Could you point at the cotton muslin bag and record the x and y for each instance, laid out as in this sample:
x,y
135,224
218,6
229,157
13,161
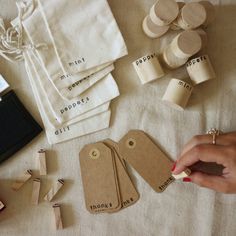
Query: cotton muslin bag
x,y
84,32
38,34
64,111
66,132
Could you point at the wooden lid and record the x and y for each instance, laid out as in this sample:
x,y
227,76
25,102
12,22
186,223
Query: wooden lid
x,y
193,14
210,10
188,43
152,30
166,10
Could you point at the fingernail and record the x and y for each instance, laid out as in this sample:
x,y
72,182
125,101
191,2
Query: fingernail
x,y
187,180
174,166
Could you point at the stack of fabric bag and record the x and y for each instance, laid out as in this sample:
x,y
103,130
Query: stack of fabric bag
x,y
69,48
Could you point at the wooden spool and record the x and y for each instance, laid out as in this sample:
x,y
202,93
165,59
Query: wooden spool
x,y
191,16
148,68
177,94
186,44
164,12
211,12
152,30
200,69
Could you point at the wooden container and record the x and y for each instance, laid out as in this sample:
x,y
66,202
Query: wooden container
x,y
148,68
191,16
200,69
177,94
152,30
164,12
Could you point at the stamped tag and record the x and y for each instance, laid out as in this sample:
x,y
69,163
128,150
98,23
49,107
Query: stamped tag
x,y
99,178
128,192
147,159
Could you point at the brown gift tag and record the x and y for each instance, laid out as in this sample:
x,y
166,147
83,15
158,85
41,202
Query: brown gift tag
x,y
99,178
128,192
147,159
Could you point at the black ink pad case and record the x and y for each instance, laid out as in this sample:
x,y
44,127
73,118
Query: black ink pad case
x,y
17,126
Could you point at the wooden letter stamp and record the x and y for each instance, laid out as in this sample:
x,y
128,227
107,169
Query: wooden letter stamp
x,y
36,191
22,180
42,162
54,190
58,218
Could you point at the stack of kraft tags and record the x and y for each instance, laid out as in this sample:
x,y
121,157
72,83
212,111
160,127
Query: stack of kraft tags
x,y
69,48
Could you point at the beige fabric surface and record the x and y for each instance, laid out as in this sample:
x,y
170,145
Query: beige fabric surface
x,y
183,209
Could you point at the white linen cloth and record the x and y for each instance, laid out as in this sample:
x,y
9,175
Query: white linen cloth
x,y
183,209
87,123
37,32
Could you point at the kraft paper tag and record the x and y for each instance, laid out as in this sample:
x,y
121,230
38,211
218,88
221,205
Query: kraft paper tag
x,y
128,192
147,159
99,178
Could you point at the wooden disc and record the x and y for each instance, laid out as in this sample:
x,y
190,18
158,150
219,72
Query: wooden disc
x,y
193,15
211,12
186,44
152,30
164,12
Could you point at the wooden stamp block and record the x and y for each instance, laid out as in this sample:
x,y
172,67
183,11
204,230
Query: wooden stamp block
x,y
200,69
2,206
178,94
152,30
22,180
148,68
42,162
186,44
211,12
54,190
58,218
36,191
191,16
182,175
164,12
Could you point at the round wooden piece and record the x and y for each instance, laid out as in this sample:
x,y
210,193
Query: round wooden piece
x,y
152,30
170,60
164,12
148,68
211,12
186,44
192,16
203,36
200,69
177,94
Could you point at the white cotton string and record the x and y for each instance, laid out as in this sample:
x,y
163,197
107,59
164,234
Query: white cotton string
x,y
11,40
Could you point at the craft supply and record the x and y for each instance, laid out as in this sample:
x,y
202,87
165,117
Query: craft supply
x,y
17,126
36,191
178,94
191,16
164,12
148,68
186,44
173,25
203,36
58,217
99,178
147,159
2,206
54,190
128,192
42,162
152,30
182,175
211,12
20,181
200,69
3,84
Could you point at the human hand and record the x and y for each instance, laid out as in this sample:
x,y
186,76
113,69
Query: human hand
x,y
200,148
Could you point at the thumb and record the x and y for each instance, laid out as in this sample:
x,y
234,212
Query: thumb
x,y
217,183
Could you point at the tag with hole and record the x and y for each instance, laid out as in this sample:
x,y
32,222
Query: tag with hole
x,y
128,192
99,178
147,159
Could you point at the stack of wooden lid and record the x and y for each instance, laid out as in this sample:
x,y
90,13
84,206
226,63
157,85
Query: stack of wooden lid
x,y
169,14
